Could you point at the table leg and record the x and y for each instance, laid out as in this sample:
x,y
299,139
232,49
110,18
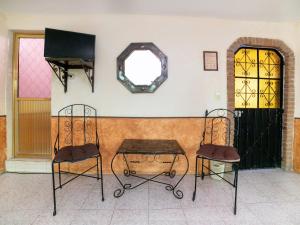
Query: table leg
x,y
171,173
125,186
119,192
128,171
177,192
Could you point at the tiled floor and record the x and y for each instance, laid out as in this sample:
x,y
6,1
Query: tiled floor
x,y
265,197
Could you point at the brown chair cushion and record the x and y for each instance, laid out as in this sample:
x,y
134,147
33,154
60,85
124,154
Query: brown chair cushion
x,y
76,153
219,152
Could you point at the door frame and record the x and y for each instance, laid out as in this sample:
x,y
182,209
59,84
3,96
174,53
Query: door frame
x,y
288,89
15,79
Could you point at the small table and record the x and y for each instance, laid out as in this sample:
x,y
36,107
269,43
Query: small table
x,y
150,147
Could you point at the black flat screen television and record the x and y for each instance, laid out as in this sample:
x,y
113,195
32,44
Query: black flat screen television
x,y
60,44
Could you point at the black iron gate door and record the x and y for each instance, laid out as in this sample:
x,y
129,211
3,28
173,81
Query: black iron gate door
x,y
259,139
258,96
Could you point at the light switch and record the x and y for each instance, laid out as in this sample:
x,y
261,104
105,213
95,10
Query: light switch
x,y
217,95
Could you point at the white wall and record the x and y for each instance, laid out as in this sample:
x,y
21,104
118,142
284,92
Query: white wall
x,y
188,91
3,64
297,72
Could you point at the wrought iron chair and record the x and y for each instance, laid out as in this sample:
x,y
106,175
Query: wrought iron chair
x,y
76,140
220,129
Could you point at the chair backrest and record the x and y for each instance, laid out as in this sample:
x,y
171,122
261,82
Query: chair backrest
x,y
77,125
220,127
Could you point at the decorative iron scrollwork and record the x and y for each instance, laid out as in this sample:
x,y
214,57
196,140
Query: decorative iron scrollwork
x,y
258,78
79,125
170,172
61,70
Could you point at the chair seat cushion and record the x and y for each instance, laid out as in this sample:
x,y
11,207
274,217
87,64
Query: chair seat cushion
x,y
76,153
219,152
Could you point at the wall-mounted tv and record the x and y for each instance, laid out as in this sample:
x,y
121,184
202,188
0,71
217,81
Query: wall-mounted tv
x,y
60,44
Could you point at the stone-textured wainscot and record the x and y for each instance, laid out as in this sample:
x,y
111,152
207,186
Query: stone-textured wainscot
x,y
2,142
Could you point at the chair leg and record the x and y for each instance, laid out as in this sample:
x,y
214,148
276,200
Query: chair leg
x,y
53,187
97,159
236,169
59,175
101,178
202,169
196,175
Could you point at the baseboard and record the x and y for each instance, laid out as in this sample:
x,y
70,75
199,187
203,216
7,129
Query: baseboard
x,y
23,165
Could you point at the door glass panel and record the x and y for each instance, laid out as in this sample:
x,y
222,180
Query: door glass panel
x,y
263,86
269,64
34,71
246,63
245,93
269,93
32,133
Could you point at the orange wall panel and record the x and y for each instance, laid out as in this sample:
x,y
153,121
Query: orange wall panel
x,y
297,145
112,131
187,131
2,142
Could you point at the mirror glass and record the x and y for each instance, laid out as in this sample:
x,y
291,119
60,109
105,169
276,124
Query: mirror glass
x,y
142,67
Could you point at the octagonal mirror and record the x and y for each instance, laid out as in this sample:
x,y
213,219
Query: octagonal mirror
x,y
142,67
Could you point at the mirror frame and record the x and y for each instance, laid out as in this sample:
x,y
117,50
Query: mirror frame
x,y
121,76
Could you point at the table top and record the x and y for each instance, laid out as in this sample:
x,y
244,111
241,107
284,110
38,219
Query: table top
x,y
149,146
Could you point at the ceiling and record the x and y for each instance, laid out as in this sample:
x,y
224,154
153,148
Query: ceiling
x,y
261,10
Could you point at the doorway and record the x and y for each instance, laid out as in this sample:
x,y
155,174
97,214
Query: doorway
x,y
31,97
258,74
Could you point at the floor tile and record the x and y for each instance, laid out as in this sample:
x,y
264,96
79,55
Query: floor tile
x,y
63,217
166,217
20,217
204,213
133,199
131,216
243,216
160,198
93,217
269,213
94,200
265,197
